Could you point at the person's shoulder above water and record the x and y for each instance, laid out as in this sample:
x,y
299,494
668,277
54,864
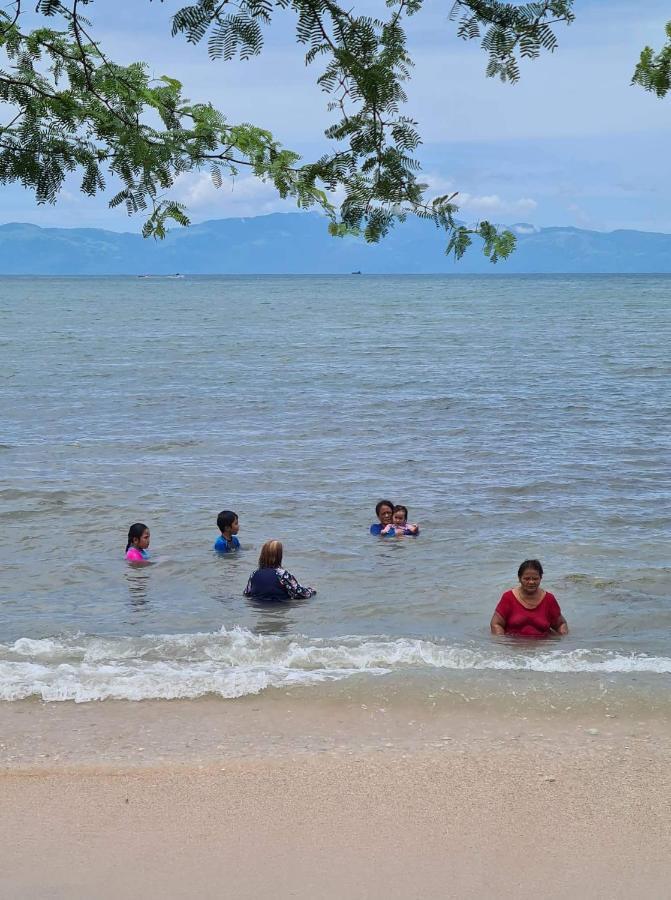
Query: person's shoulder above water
x,y
133,554
228,525
222,545
270,581
383,510
399,522
138,543
528,610
393,521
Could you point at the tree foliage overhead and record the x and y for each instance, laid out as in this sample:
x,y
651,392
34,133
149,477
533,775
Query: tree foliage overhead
x,y
653,71
69,108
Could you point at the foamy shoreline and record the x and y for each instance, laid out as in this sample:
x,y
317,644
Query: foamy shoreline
x,y
284,799
235,662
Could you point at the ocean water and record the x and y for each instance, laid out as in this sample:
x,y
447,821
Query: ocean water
x,y
515,416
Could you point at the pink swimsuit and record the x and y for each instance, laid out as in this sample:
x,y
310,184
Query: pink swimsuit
x,y
134,554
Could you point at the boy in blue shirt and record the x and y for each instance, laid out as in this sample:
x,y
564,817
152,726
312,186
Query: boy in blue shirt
x,y
227,523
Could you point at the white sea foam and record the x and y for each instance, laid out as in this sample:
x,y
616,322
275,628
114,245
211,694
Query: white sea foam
x,y
236,662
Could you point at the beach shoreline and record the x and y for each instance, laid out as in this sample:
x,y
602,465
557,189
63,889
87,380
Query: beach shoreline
x,y
278,796
370,716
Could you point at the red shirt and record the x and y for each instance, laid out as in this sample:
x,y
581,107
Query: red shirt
x,y
531,622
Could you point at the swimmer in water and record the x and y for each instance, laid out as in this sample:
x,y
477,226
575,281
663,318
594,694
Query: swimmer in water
x,y
272,582
138,542
399,523
384,511
528,610
227,523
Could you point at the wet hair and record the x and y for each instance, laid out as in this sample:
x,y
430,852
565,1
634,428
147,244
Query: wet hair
x,y
530,564
225,519
403,509
135,532
270,556
380,504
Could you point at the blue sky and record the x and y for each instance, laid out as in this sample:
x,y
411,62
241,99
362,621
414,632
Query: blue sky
x,y
572,144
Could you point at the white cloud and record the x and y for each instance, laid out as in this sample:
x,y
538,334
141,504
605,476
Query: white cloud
x,y
490,204
249,196
485,204
241,196
437,184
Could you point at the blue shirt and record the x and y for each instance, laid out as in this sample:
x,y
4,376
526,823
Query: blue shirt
x,y
376,528
221,545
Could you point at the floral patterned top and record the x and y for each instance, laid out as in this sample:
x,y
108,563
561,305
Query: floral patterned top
x,y
285,582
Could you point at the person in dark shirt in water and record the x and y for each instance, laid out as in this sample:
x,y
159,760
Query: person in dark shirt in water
x,y
270,581
384,510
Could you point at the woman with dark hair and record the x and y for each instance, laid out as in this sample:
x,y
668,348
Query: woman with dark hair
x,y
528,610
384,510
270,581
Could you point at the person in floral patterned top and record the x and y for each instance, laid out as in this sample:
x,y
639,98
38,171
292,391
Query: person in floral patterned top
x,y
270,581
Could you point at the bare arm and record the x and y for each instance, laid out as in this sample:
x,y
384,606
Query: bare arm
x,y
498,624
560,626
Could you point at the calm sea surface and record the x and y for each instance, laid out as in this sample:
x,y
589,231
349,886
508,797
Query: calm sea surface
x,y
515,417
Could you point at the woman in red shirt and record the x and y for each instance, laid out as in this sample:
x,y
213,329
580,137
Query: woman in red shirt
x,y
528,610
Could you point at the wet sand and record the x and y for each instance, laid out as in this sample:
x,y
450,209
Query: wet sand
x,y
276,798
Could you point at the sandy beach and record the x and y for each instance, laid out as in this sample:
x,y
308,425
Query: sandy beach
x,y
277,798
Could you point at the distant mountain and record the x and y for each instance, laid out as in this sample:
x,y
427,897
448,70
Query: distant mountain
x,y
298,243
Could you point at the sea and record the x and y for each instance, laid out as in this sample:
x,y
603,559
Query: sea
x,y
516,417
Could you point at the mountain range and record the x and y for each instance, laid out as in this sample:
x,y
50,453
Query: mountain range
x,y
299,243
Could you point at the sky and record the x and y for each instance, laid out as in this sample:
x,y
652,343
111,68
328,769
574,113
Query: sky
x,y
572,144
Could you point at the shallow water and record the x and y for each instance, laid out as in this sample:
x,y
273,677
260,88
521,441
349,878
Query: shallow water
x,y
515,416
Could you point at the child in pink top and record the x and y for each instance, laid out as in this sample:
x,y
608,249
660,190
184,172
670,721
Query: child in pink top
x,y
138,542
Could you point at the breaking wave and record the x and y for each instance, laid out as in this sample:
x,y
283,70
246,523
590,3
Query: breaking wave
x,y
236,662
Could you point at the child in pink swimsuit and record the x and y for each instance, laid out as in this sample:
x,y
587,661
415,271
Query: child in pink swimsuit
x,y
138,542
